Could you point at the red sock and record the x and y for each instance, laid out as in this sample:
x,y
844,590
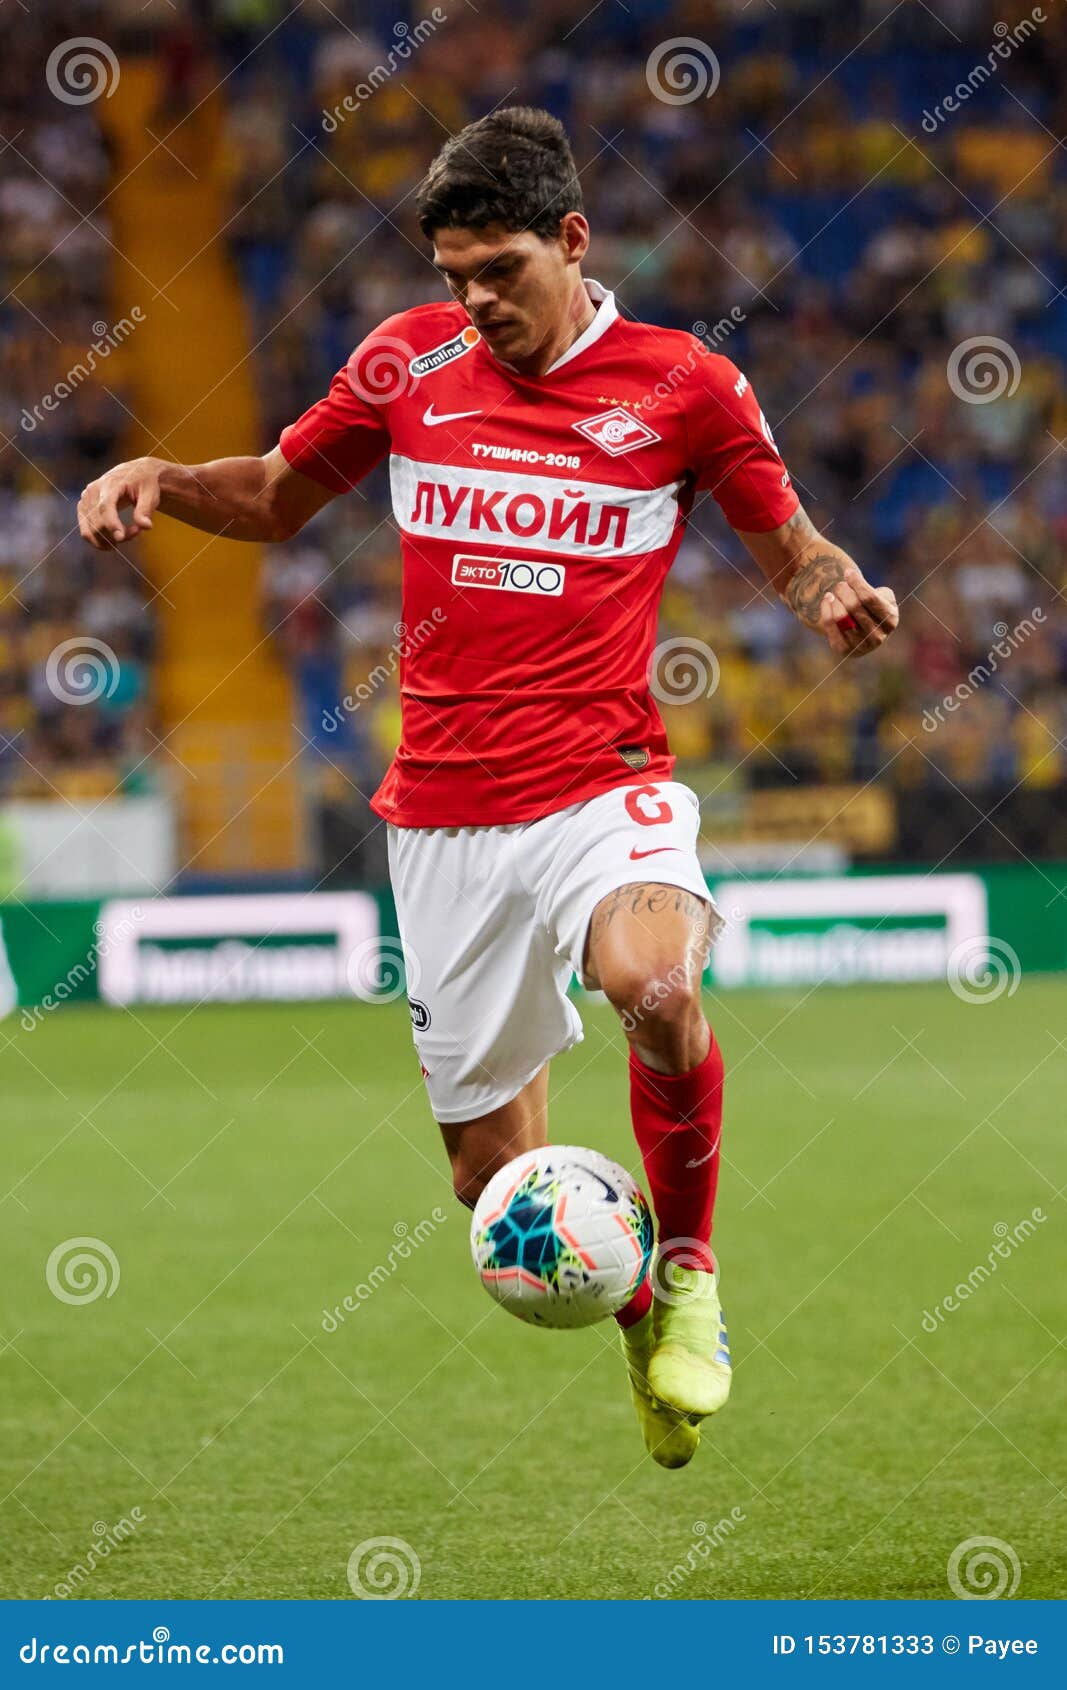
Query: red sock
x,y
678,1124
638,1306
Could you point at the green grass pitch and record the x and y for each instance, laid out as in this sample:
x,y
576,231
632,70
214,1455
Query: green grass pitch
x,y
251,1167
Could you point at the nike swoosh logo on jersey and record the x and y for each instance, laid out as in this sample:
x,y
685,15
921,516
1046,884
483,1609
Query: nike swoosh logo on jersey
x,y
432,418
636,855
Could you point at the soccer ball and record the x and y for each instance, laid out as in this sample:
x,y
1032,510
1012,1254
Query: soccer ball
x,y
561,1236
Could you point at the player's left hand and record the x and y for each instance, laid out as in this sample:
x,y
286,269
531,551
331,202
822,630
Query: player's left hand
x,y
855,617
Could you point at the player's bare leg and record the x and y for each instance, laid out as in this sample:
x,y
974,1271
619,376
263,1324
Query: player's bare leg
x,y
646,949
477,1149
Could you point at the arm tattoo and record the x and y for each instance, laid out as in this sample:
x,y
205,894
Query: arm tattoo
x,y
801,531
817,575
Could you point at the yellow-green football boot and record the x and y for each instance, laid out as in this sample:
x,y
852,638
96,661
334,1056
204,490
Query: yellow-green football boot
x,y
689,1370
669,1439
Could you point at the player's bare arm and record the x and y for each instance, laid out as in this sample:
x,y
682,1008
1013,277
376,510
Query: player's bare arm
x,y
823,587
242,498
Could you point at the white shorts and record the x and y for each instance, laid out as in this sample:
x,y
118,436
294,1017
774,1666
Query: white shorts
x,y
493,923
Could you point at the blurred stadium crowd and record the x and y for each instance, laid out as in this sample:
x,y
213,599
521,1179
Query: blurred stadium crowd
x,y
819,211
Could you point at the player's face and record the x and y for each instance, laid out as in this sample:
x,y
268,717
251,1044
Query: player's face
x,y
516,288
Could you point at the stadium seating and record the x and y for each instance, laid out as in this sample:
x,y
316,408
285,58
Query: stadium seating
x,y
807,196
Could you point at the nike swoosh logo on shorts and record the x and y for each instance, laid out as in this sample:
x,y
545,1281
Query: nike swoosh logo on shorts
x,y
698,1161
432,418
636,855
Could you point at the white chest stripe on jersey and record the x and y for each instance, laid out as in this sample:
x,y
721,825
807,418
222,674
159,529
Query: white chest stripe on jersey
x,y
540,512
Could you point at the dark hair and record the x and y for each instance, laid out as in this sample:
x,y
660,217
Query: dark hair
x,y
514,167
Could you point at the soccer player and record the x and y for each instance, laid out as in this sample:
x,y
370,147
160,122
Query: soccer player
x,y
544,454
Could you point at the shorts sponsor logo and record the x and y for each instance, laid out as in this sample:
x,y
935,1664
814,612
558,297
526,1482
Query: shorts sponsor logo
x,y
513,575
446,353
420,1016
616,431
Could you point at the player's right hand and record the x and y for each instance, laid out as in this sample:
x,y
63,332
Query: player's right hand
x,y
136,484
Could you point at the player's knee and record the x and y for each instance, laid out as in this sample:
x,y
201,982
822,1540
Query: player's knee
x,y
468,1182
654,996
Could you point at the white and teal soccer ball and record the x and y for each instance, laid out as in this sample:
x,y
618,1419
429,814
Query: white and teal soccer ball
x,y
561,1236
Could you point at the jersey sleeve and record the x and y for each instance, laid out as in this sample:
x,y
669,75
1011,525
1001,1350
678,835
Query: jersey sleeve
x,y
341,438
734,454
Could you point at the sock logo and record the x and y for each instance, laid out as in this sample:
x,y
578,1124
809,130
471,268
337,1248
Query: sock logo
x,y
698,1161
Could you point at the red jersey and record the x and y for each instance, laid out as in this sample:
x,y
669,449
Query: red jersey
x,y
538,516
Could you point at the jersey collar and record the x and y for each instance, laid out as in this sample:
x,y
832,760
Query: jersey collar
x,y
606,313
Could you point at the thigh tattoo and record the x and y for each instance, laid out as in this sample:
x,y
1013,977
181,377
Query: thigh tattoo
x,y
649,898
